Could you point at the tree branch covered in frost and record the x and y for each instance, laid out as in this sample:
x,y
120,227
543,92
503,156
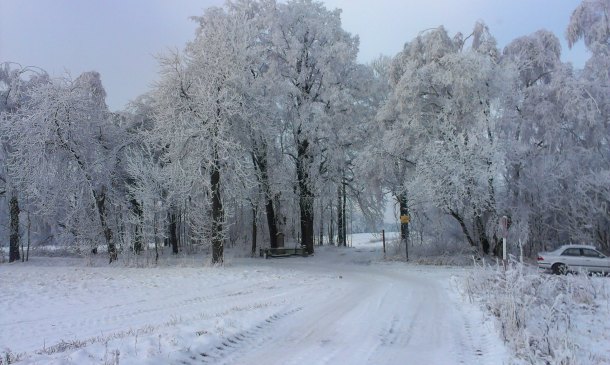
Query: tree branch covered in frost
x,y
472,134
63,155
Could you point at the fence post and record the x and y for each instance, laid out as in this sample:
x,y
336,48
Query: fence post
x,y
383,239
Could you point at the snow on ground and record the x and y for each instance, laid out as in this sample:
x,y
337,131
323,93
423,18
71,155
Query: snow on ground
x,y
341,306
546,319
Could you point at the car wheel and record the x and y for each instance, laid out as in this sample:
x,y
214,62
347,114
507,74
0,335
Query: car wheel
x,y
560,269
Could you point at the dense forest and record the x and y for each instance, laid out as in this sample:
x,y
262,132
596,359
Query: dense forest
x,y
264,129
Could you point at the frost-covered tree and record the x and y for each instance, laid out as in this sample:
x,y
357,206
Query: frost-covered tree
x,y
530,120
137,181
554,136
309,57
147,192
440,121
262,100
374,168
590,22
589,108
261,120
392,148
63,154
351,130
197,103
15,83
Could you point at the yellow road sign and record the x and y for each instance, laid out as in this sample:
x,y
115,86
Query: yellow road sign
x,y
404,219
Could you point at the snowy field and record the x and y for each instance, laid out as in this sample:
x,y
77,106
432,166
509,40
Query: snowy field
x,y
341,306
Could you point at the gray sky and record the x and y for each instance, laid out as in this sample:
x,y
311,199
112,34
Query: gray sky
x,y
119,38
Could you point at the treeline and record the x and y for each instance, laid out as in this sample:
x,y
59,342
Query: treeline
x,y
266,127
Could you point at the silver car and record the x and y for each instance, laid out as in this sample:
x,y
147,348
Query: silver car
x,y
574,258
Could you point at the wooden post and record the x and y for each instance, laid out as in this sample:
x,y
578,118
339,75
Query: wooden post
x,y
383,239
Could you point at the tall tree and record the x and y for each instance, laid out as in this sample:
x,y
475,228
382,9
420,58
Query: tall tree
x,y
554,136
261,117
590,22
440,124
63,148
197,103
530,130
310,51
15,82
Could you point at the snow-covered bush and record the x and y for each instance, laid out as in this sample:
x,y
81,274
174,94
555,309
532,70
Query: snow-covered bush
x,y
430,251
545,319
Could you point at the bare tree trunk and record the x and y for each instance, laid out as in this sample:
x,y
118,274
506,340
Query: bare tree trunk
x,y
331,226
271,222
155,238
217,213
340,217
22,249
280,221
100,202
460,220
404,225
306,197
321,233
27,253
179,236
137,209
481,235
344,214
254,229
14,228
307,222
183,218
602,234
172,227
259,160
404,211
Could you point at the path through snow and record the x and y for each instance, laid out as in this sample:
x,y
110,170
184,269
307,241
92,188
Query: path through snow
x,y
342,306
378,314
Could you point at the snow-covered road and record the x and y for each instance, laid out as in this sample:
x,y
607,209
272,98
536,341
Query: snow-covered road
x,y
374,314
341,306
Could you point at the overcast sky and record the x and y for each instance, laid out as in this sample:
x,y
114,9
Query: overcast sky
x,y
119,38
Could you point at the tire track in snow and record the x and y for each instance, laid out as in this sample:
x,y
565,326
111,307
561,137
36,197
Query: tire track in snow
x,y
476,350
225,350
380,316
120,318
357,314
114,317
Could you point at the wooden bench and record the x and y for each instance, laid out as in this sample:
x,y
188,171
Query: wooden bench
x,y
283,252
